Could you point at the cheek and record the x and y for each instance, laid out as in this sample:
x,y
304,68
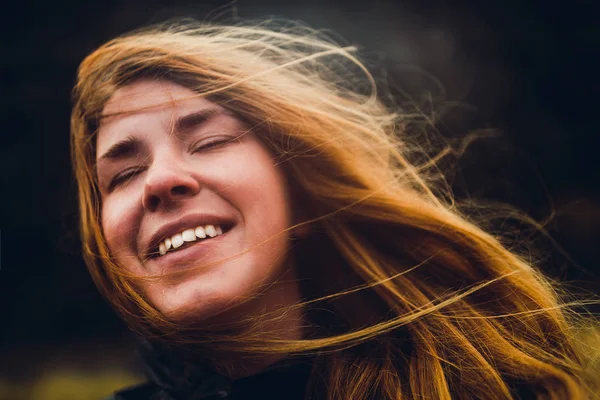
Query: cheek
x,y
118,226
261,192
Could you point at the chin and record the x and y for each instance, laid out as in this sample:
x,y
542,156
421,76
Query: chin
x,y
202,300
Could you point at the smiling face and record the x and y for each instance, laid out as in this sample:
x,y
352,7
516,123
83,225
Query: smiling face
x,y
170,162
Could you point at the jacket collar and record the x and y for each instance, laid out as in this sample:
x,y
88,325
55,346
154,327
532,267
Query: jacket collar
x,y
172,370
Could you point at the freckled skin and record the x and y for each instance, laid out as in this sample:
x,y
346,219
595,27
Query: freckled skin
x,y
238,180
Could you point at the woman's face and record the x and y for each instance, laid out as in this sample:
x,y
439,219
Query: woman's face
x,y
174,171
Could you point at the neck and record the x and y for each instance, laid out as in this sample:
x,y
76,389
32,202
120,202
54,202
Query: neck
x,y
267,317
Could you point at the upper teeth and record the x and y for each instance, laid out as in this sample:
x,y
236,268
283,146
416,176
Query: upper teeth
x,y
189,235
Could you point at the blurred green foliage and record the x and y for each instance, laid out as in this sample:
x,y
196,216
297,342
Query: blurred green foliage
x,y
66,384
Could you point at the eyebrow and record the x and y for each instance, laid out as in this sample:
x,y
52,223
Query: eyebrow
x,y
131,145
123,149
194,120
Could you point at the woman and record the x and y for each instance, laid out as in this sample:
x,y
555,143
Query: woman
x,y
249,207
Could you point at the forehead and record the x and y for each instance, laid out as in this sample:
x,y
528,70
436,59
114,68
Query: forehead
x,y
147,95
137,104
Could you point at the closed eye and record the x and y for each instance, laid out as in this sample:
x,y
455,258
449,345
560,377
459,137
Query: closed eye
x,y
198,146
124,177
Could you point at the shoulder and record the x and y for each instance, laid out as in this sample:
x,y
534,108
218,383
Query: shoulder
x,y
142,391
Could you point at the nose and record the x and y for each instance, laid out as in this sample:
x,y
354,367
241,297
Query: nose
x,y
167,182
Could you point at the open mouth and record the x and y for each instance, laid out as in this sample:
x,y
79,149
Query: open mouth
x,y
189,237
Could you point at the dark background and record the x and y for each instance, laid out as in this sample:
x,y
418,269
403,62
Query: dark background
x,y
527,68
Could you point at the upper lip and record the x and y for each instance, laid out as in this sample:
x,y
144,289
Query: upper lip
x,y
187,222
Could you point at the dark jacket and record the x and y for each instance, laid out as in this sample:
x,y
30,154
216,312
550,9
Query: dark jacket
x,y
172,378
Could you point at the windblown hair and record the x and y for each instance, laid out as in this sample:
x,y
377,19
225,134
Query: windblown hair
x,y
411,298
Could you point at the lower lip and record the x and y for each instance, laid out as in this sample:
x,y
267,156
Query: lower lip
x,y
198,252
